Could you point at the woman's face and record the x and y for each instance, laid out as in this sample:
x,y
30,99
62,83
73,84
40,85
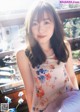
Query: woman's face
x,y
43,30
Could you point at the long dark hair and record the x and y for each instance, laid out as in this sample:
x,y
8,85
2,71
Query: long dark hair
x,y
34,52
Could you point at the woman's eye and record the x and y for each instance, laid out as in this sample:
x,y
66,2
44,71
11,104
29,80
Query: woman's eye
x,y
34,23
47,22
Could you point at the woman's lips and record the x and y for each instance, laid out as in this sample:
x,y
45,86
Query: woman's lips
x,y
41,36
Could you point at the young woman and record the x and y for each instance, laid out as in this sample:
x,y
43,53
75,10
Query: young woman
x,y
46,65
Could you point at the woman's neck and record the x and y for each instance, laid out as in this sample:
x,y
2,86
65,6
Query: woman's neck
x,y
45,46
47,49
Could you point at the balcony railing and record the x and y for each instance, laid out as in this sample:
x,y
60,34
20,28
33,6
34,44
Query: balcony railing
x,y
69,13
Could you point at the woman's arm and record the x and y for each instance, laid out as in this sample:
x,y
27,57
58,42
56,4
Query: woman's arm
x,y
69,67
24,67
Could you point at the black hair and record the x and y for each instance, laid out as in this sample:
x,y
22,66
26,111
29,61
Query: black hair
x,y
34,52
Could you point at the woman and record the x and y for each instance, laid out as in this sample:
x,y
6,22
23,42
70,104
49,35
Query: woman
x,y
46,65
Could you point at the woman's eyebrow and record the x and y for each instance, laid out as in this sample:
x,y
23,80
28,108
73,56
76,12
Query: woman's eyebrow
x,y
46,19
34,19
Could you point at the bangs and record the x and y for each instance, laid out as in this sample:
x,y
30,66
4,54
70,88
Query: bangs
x,y
39,13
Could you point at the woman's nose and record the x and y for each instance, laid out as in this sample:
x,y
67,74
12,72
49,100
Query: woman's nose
x,y
40,28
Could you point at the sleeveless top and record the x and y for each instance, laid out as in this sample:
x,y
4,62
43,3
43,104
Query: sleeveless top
x,y
51,84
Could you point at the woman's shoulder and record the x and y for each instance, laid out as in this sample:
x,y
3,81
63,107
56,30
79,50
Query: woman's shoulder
x,y
21,53
67,43
21,56
68,47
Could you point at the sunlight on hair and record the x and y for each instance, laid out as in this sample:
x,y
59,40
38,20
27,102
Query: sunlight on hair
x,y
59,111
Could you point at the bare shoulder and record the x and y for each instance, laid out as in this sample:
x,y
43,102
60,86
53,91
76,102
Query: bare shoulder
x,y
22,62
67,44
24,66
21,56
21,52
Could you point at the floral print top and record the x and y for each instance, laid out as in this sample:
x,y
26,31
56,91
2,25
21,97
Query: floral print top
x,y
51,81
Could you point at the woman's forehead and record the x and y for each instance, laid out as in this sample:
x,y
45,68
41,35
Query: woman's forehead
x,y
43,15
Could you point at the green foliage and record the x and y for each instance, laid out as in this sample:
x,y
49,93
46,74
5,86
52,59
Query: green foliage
x,y
76,54
72,27
74,5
